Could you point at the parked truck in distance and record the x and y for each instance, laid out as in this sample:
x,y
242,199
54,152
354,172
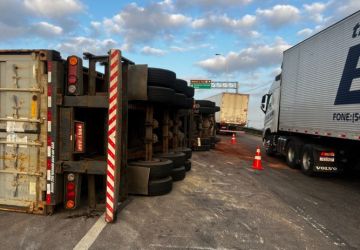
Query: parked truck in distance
x,y
233,111
312,108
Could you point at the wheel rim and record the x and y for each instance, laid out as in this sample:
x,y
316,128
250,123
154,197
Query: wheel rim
x,y
306,160
291,154
267,143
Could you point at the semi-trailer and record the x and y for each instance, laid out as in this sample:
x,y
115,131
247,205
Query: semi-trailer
x,y
233,112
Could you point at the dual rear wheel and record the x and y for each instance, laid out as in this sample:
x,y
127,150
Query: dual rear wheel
x,y
298,155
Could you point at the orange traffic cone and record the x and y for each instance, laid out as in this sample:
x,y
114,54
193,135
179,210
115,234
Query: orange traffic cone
x,y
233,139
257,160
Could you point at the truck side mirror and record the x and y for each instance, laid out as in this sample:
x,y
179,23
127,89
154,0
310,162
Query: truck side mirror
x,y
264,103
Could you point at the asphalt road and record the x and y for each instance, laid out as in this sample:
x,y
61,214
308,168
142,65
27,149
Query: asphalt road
x,y
222,204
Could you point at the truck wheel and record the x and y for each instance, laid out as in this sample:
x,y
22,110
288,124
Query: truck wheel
x,y
205,141
307,160
161,77
189,92
187,165
179,100
178,158
159,168
178,174
160,94
205,103
292,155
206,110
189,103
186,151
269,148
180,86
160,187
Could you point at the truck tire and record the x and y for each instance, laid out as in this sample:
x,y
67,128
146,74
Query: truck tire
x,y
189,92
179,100
307,160
187,165
292,155
206,110
189,103
160,94
178,158
205,141
160,186
178,173
269,148
161,77
159,168
201,148
205,103
180,86
186,151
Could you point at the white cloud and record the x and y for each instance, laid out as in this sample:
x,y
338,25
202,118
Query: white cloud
x,y
25,18
81,44
279,15
189,48
248,59
45,29
305,32
9,32
348,7
224,22
53,8
315,11
153,51
12,12
211,4
145,24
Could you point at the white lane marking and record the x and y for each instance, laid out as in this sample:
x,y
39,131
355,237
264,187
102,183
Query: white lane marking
x,y
319,227
185,247
90,237
199,163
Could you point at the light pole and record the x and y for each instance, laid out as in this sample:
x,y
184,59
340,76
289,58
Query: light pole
x,y
227,71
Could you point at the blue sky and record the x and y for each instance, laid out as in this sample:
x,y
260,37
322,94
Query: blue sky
x,y
179,35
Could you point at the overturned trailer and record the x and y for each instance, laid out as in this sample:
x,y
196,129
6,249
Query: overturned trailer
x,y
64,137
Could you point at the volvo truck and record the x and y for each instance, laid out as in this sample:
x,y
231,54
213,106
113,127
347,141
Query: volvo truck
x,y
312,110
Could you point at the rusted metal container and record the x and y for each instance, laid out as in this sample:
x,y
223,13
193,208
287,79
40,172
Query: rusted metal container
x,y
24,131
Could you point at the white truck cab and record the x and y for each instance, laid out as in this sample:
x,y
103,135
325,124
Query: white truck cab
x,y
270,105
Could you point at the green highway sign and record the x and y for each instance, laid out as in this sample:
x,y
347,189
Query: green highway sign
x,y
201,84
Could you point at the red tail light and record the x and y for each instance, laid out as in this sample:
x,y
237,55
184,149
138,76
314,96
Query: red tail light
x,y
70,186
74,76
79,137
70,191
327,154
70,195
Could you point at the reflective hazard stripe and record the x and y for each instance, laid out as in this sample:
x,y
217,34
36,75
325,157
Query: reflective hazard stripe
x,y
114,82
